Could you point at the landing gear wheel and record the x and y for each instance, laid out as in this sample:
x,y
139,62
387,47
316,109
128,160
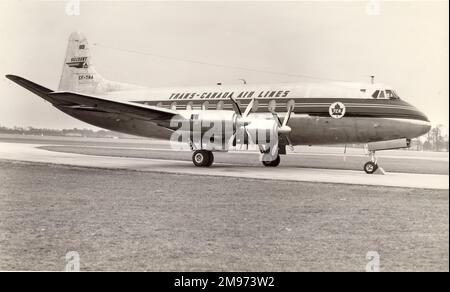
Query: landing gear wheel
x,y
273,163
202,158
210,158
370,167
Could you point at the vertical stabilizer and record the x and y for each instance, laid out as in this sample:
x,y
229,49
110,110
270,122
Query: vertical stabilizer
x,y
78,74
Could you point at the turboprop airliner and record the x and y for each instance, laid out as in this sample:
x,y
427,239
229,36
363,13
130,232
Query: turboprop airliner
x,y
216,118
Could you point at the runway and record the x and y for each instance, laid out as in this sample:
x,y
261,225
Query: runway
x,y
34,153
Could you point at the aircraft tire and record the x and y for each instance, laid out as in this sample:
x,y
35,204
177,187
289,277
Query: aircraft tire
x,y
370,167
211,158
273,163
202,158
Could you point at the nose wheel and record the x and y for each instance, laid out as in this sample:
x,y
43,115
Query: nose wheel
x,y
202,158
371,166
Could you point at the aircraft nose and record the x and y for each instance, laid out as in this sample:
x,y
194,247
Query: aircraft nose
x,y
426,127
422,126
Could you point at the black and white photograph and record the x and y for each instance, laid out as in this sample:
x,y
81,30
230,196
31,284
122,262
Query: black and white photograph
x,y
242,138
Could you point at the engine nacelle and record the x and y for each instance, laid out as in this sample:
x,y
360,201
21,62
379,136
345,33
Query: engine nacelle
x,y
204,129
201,121
388,145
214,118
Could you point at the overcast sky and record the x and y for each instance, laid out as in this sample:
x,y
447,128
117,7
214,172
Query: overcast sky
x,y
405,46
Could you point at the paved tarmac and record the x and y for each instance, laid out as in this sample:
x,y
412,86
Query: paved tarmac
x,y
32,153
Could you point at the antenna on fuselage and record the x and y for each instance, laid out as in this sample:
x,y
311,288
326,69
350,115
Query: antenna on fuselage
x,y
372,79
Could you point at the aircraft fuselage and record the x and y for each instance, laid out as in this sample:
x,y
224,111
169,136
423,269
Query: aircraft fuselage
x,y
365,120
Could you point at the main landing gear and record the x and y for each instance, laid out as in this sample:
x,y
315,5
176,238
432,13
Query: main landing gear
x,y
273,163
371,166
203,158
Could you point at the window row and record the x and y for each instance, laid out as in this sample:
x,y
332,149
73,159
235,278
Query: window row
x,y
221,105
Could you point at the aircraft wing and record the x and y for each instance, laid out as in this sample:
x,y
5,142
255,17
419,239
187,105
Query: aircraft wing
x,y
31,86
67,99
131,109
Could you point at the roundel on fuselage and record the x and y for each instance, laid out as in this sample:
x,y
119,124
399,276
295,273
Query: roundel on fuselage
x,y
337,110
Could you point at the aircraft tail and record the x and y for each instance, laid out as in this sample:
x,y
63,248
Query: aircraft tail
x,y
79,75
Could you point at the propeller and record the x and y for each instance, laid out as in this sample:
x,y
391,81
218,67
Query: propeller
x,y
237,108
283,129
242,120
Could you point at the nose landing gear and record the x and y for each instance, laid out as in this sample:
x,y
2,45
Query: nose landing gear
x,y
371,166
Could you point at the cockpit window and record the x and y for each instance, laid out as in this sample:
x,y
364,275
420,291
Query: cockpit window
x,y
388,93
375,94
391,94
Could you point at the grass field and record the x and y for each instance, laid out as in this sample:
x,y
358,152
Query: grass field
x,y
128,220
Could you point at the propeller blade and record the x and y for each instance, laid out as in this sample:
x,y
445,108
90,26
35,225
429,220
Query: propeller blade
x,y
249,108
277,118
274,149
287,116
288,139
233,139
236,107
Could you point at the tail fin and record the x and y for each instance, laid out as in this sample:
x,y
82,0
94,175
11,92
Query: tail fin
x,y
78,74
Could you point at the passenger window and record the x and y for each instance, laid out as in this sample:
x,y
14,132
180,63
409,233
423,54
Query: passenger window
x,y
255,106
289,104
272,106
375,94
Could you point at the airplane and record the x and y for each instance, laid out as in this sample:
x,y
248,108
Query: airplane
x,y
218,117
